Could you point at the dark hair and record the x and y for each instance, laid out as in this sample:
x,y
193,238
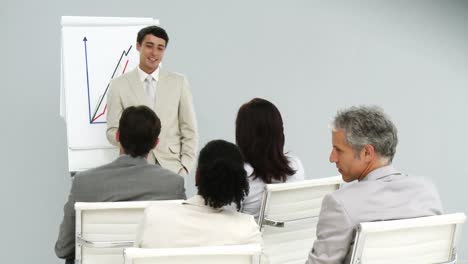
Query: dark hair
x,y
260,137
139,127
221,178
153,30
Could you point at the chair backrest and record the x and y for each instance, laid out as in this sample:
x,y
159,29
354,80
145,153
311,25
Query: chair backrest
x,y
288,217
236,254
431,239
104,229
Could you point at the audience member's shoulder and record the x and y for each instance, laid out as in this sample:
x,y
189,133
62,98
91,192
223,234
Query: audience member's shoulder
x,y
157,205
156,208
409,181
91,173
346,189
294,161
423,182
231,212
163,172
296,165
249,172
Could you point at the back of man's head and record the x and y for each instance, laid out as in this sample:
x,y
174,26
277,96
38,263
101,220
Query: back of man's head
x,y
139,128
368,125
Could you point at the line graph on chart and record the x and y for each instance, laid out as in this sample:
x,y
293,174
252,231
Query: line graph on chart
x,y
91,57
97,106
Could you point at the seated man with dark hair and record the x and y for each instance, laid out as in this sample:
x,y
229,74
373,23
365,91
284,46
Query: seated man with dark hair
x,y
128,178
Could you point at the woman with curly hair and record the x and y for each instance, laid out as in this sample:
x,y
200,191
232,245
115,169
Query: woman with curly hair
x,y
260,138
202,219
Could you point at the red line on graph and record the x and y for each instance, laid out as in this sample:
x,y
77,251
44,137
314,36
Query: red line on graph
x,y
126,63
103,112
105,107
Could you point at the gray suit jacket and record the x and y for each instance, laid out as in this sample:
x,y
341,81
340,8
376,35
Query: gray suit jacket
x,y
125,179
173,105
384,194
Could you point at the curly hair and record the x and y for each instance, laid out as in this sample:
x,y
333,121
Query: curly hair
x,y
221,176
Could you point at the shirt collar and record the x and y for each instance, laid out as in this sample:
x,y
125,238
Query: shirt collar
x,y
382,172
143,74
199,201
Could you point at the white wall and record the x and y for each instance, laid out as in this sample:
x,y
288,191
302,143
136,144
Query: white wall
x,y
308,57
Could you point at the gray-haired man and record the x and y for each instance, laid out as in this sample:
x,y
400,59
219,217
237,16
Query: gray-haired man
x,y
364,143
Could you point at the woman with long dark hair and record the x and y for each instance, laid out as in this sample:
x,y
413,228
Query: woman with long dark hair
x,y
260,138
203,220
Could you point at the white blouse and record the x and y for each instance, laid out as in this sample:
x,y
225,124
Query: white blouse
x,y
192,223
251,203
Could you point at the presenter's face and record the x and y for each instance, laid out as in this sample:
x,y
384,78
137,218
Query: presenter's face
x,y
151,51
349,164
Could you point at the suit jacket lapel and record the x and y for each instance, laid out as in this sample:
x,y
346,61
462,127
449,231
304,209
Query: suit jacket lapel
x,y
137,88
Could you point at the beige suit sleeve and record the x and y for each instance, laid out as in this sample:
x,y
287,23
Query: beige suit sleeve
x,y
114,110
334,234
188,128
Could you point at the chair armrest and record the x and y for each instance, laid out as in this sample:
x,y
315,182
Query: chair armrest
x,y
283,223
274,223
109,244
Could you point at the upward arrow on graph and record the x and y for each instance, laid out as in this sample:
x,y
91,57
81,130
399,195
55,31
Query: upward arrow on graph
x,y
87,77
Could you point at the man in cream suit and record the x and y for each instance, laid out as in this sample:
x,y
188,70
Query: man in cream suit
x,y
364,143
167,93
128,178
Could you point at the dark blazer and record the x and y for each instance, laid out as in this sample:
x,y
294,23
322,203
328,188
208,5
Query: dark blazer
x,y
125,179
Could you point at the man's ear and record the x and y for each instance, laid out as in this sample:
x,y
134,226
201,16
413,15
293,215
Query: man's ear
x,y
138,46
369,152
117,136
156,142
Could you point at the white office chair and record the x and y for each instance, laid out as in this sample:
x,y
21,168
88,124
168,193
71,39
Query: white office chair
x,y
288,217
423,240
238,254
104,229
